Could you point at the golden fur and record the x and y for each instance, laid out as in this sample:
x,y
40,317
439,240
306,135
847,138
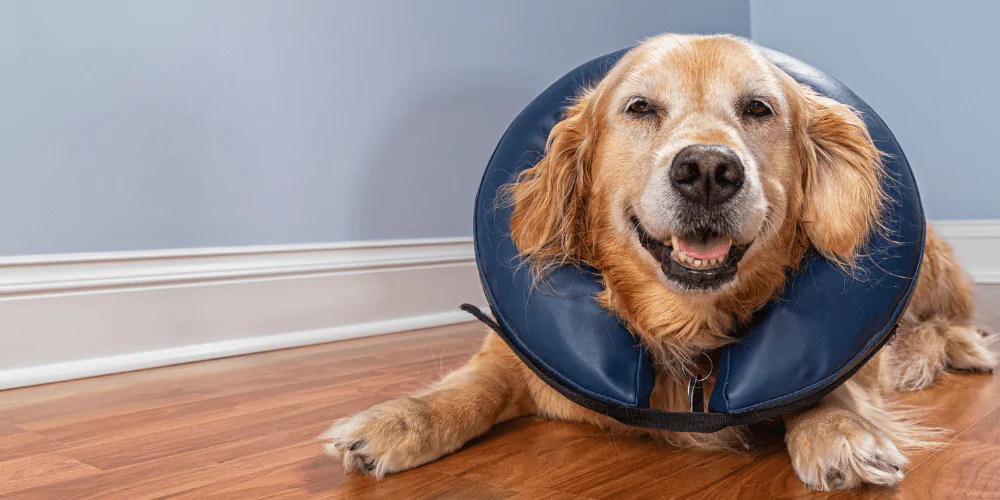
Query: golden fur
x,y
820,176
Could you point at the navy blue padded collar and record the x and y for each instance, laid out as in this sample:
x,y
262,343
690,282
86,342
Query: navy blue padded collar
x,y
797,349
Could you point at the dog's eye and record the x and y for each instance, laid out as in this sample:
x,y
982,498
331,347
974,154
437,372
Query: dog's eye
x,y
756,109
639,107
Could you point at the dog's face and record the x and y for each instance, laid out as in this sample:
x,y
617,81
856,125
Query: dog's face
x,y
692,159
699,145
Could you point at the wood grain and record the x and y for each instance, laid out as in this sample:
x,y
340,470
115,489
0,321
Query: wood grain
x,y
245,428
23,473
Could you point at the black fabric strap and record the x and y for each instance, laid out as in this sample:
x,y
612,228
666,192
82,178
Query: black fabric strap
x,y
483,318
694,421
696,394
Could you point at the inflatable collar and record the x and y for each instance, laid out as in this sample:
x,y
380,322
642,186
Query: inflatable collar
x,y
796,349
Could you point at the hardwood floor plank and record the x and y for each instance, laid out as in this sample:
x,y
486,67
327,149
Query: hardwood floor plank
x,y
35,470
304,479
165,440
969,467
621,478
956,401
545,494
178,473
420,484
529,454
83,405
344,387
17,443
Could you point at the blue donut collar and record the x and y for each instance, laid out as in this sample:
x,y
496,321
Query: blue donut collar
x,y
824,326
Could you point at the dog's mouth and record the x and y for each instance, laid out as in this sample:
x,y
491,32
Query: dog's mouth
x,y
704,260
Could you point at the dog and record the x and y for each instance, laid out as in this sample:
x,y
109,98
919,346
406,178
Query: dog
x,y
698,143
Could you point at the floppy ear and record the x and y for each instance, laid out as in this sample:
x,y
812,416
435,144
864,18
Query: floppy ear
x,y
549,199
842,178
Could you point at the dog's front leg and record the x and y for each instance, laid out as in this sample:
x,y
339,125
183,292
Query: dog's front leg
x,y
848,439
404,433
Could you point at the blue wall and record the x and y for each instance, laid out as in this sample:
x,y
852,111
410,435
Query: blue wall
x,y
186,123
930,69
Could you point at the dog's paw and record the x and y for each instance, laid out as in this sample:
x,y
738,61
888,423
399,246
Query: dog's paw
x,y
933,348
389,437
840,449
967,349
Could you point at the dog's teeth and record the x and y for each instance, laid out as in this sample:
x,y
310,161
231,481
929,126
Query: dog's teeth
x,y
694,263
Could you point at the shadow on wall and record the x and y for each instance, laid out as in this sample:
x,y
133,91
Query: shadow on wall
x,y
446,141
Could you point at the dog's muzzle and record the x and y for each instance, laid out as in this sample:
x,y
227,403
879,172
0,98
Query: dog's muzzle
x,y
705,183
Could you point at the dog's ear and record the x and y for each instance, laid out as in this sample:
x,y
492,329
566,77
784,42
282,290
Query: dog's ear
x,y
842,179
549,199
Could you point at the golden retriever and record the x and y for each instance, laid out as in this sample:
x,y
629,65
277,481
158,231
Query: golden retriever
x,y
694,176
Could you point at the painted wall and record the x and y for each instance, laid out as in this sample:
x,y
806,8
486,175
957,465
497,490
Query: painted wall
x,y
187,123
930,70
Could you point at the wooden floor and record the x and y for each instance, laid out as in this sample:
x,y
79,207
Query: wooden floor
x,y
245,428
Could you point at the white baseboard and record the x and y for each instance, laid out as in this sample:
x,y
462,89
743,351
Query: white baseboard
x,y
977,245
44,374
72,316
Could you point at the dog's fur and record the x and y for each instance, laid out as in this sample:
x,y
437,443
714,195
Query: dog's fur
x,y
813,178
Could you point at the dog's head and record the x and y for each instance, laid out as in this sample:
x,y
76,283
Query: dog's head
x,y
692,160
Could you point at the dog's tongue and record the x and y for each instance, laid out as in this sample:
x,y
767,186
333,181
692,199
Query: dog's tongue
x,y
703,250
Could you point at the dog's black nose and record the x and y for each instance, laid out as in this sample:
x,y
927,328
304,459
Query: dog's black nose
x,y
708,174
